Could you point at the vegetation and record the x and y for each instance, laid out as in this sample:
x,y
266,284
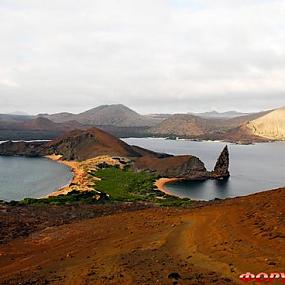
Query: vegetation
x,y
72,197
115,185
124,185
127,185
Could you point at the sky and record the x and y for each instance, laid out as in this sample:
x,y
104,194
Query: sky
x,y
155,56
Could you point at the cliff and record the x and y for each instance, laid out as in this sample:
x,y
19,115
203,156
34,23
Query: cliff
x,y
184,166
30,149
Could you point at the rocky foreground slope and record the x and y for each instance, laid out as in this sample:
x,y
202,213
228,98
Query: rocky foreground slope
x,y
122,244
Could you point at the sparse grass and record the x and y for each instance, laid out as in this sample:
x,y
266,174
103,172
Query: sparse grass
x,y
72,197
124,185
127,185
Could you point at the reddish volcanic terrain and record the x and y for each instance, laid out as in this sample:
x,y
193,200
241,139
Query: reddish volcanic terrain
x,y
210,244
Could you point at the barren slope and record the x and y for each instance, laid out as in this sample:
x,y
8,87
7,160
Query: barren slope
x,y
207,245
271,126
186,125
108,115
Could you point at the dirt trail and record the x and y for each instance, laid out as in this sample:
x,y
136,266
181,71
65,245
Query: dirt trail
x,y
208,245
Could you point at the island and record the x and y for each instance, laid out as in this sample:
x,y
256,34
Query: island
x,y
87,150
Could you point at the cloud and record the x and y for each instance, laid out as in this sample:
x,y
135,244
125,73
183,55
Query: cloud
x,y
154,56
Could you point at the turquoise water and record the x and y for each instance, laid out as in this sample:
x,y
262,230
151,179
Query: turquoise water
x,y
22,177
254,168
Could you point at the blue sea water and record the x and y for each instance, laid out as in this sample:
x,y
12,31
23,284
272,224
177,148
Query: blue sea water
x,y
22,177
254,168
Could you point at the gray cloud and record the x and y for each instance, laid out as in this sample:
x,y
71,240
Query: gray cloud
x,y
155,56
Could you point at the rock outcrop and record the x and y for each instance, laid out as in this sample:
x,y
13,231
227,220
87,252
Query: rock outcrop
x,y
221,169
184,166
29,149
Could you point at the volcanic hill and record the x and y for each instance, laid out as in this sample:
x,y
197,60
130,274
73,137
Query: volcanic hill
x,y
108,115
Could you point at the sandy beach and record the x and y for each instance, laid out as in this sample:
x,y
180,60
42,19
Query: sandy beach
x,y
160,184
79,175
82,180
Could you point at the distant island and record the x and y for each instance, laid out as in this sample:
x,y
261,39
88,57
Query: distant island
x,y
121,121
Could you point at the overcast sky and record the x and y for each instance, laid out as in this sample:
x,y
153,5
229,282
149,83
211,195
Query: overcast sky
x,y
152,55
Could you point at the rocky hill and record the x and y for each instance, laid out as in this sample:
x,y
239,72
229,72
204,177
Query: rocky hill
x,y
41,124
215,114
184,126
108,115
190,126
35,128
270,126
77,145
84,144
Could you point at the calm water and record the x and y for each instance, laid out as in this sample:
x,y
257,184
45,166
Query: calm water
x,y
254,168
30,177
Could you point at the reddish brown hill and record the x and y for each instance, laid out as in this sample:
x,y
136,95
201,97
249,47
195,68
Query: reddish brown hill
x,y
74,145
84,144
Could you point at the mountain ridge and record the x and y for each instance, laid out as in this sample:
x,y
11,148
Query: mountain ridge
x,y
104,115
122,121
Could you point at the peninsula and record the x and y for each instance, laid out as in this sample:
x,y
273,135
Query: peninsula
x,y
82,147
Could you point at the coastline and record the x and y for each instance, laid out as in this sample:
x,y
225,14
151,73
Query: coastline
x,y
77,179
82,180
161,182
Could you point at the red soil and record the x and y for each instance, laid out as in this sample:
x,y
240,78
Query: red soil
x,y
212,244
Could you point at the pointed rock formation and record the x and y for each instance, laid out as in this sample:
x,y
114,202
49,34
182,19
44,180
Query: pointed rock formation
x,y
221,169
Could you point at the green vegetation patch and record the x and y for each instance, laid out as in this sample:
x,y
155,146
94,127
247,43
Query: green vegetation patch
x,y
124,185
127,185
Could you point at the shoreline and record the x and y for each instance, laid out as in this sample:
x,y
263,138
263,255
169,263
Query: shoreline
x,y
161,182
82,180
77,176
